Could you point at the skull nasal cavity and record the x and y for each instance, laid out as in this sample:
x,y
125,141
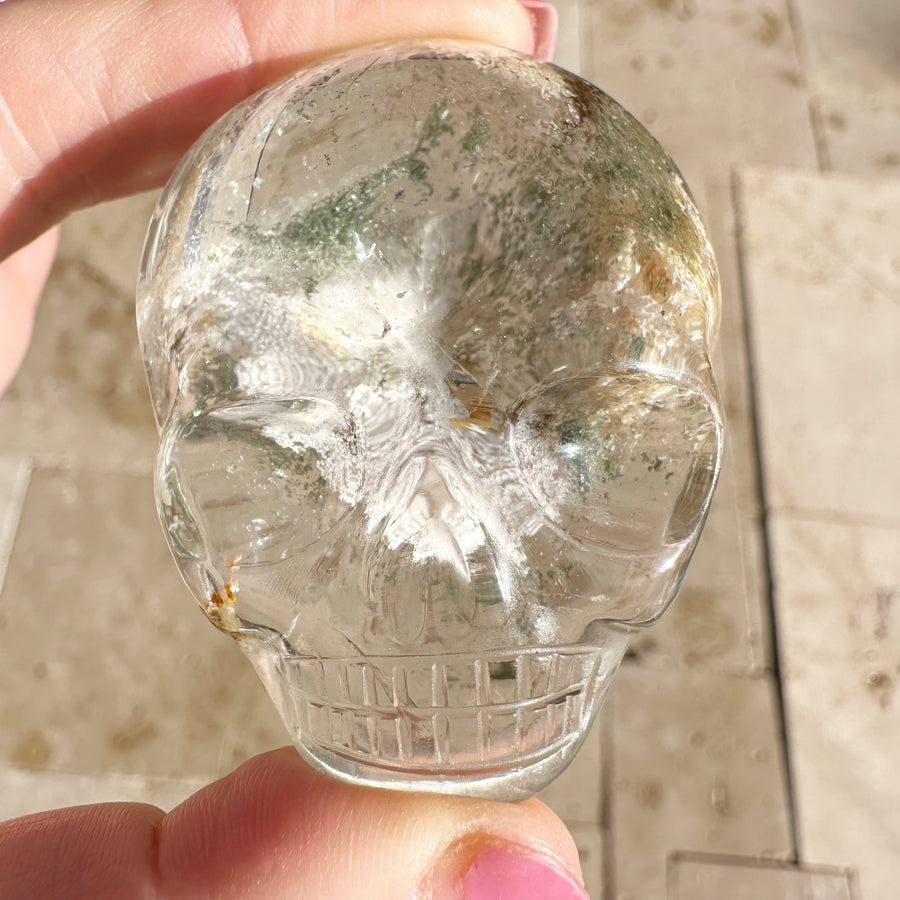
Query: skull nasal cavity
x,y
426,491
420,582
432,503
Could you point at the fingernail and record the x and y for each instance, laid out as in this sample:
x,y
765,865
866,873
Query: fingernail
x,y
499,874
545,22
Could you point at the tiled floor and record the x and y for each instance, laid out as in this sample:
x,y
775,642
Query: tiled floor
x,y
749,748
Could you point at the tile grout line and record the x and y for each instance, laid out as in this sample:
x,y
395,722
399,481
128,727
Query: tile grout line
x,y
766,544
820,141
605,718
604,814
837,517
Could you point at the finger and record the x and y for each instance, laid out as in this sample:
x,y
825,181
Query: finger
x,y
275,829
22,279
100,98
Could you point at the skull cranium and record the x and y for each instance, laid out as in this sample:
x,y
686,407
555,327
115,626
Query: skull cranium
x,y
426,329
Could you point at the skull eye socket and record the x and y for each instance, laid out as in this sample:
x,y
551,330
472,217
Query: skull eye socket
x,y
627,460
262,480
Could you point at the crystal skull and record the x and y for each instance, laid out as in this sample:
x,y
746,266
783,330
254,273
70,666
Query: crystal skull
x,y
426,330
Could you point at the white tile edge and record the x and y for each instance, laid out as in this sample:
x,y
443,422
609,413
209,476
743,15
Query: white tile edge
x,y
9,522
28,791
568,45
756,172
846,874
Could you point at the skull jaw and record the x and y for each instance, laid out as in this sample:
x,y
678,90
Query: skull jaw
x,y
500,725
507,785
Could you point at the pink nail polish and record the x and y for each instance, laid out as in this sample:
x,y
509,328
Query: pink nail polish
x,y
545,21
507,875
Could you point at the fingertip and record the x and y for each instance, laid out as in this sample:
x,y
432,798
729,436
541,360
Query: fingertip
x,y
274,828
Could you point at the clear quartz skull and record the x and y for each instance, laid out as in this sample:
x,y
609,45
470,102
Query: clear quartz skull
x,y
426,329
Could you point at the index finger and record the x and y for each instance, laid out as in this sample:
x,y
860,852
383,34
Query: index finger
x,y
100,99
276,829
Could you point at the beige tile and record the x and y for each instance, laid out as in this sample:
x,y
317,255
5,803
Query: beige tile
x,y
14,475
824,282
568,44
106,663
576,794
697,766
81,398
24,791
838,605
823,272
720,617
717,619
590,854
717,82
712,878
109,238
853,66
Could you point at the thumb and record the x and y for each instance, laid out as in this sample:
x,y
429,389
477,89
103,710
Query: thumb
x,y
274,830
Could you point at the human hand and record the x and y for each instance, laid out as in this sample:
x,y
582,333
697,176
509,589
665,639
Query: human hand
x,y
276,829
100,99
